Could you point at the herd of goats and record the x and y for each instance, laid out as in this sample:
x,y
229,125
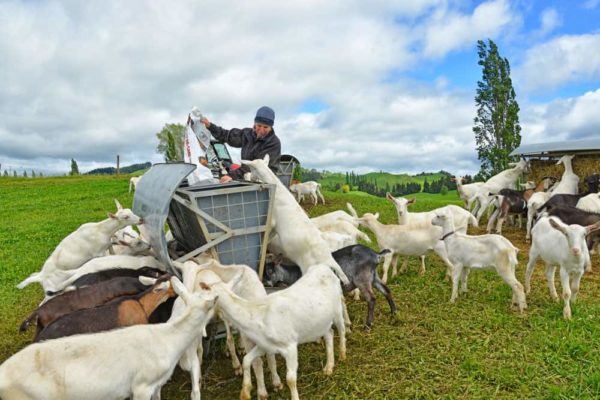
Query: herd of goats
x,y
103,276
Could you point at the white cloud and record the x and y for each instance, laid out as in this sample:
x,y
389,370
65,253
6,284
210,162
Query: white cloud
x,y
566,59
448,30
550,20
90,80
591,4
563,119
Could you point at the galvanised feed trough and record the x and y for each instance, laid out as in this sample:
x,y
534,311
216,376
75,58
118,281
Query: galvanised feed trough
x,y
232,220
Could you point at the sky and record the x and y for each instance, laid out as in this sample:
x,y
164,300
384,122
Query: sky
x,y
356,85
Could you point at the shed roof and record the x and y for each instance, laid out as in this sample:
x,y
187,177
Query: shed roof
x,y
589,146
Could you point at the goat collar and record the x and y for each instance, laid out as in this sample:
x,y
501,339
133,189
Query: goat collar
x,y
446,235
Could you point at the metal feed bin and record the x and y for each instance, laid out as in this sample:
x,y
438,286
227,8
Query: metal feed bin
x,y
230,220
286,164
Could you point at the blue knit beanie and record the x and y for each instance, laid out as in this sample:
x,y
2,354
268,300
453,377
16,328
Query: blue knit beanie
x,y
265,115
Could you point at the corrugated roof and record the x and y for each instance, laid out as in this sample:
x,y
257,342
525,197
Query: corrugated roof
x,y
556,148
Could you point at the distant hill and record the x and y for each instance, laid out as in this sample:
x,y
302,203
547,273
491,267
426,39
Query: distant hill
x,y
381,178
378,183
124,170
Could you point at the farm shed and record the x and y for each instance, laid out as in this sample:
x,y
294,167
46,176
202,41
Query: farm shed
x,y
543,157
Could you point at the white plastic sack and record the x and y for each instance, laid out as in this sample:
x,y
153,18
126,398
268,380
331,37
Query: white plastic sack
x,y
192,151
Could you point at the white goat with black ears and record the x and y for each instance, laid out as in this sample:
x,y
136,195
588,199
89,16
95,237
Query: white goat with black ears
x,y
299,238
482,252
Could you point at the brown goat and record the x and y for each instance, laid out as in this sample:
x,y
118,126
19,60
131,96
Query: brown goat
x,y
121,312
86,297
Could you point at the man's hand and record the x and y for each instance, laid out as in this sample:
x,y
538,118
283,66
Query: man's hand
x,y
205,121
225,179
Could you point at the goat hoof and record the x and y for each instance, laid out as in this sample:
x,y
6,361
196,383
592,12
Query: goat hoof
x,y
245,394
238,371
278,387
367,328
328,370
263,396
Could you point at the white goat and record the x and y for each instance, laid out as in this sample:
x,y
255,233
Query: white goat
x,y
563,245
536,200
133,182
129,362
462,216
504,180
344,227
335,216
569,181
191,360
287,318
407,240
337,241
467,192
300,239
310,188
88,241
480,252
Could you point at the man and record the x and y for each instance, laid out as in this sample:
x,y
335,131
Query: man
x,y
255,142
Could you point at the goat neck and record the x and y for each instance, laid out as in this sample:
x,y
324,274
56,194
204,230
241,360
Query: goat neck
x,y
237,310
150,300
110,226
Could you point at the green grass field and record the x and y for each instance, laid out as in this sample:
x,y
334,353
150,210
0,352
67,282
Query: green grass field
x,y
478,348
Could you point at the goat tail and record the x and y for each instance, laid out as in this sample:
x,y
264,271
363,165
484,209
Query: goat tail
x,y
352,210
382,253
25,325
35,277
508,257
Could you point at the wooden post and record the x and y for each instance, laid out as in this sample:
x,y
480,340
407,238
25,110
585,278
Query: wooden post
x,y
118,167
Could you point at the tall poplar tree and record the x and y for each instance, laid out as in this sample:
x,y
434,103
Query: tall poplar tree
x,y
496,126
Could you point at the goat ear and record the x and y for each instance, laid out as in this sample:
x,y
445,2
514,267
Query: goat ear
x,y
556,226
111,215
591,228
266,159
146,280
412,201
376,215
123,243
119,206
512,164
389,196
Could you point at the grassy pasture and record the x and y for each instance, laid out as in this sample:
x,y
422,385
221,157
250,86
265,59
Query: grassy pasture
x,y
477,348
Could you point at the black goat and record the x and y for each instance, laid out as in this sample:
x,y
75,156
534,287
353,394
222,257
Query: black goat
x,y
101,276
358,262
570,200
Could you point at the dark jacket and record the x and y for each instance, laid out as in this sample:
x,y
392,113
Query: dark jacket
x,y
252,148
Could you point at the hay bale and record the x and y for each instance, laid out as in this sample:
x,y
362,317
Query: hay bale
x,y
583,166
